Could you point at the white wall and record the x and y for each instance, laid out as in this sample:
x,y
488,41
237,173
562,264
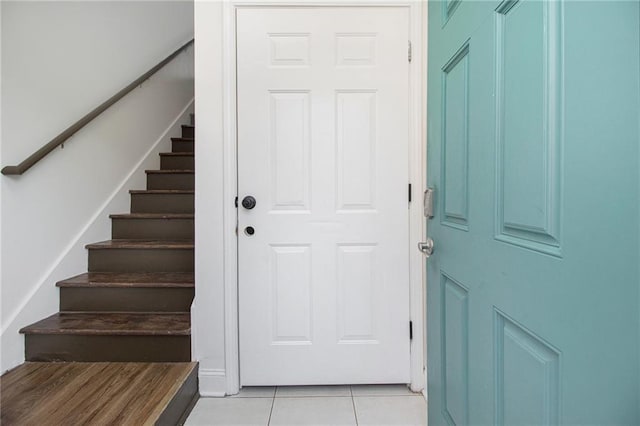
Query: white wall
x,y
59,60
208,309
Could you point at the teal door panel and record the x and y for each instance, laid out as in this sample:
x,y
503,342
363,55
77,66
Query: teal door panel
x,y
533,151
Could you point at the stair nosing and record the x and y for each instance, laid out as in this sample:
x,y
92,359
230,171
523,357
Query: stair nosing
x,y
183,139
62,284
110,280
124,312
141,244
170,171
33,329
177,154
93,332
141,216
162,191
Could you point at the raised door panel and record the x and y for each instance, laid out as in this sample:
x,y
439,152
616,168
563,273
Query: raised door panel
x,y
356,149
289,146
529,96
291,295
357,291
455,350
455,140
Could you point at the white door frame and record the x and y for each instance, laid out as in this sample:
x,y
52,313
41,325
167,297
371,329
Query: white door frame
x,y
417,167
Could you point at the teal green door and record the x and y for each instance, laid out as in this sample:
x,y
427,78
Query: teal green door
x,y
533,134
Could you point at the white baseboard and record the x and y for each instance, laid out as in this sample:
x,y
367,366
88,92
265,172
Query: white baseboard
x,y
212,382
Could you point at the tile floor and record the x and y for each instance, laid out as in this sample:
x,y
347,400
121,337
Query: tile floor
x,y
314,405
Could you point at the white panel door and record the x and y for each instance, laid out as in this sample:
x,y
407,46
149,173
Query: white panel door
x,y
323,97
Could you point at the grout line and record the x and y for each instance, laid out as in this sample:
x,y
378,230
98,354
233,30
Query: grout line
x,y
353,404
273,401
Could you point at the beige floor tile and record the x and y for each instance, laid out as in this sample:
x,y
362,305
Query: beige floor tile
x,y
316,411
230,412
391,410
298,391
256,392
382,390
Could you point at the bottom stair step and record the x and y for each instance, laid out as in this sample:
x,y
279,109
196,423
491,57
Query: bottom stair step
x,y
109,336
98,393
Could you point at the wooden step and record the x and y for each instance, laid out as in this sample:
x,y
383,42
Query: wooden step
x,y
127,292
109,336
67,393
170,179
131,279
162,201
141,256
161,226
177,161
182,144
188,131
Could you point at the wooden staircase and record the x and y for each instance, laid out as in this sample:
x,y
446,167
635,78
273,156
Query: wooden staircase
x,y
133,303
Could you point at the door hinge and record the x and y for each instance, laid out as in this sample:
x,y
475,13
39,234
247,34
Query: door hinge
x,y
410,330
409,192
409,53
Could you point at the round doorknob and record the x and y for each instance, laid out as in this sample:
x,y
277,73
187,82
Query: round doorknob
x,y
426,247
248,202
249,230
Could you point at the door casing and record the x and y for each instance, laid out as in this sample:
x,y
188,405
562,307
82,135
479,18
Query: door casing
x,y
417,172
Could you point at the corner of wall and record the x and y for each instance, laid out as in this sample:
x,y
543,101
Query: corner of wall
x,y
208,313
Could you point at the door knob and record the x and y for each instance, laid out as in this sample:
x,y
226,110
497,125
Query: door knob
x,y
426,247
249,230
248,202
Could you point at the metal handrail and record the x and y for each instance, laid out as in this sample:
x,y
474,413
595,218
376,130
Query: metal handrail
x,y
71,130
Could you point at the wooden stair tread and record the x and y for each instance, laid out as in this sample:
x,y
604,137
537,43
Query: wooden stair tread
x,y
152,216
141,244
170,172
130,280
183,139
177,154
161,191
45,393
113,323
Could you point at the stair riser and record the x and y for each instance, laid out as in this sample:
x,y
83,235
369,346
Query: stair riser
x,y
109,348
181,146
105,299
188,132
158,229
170,181
177,163
162,203
180,407
140,260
